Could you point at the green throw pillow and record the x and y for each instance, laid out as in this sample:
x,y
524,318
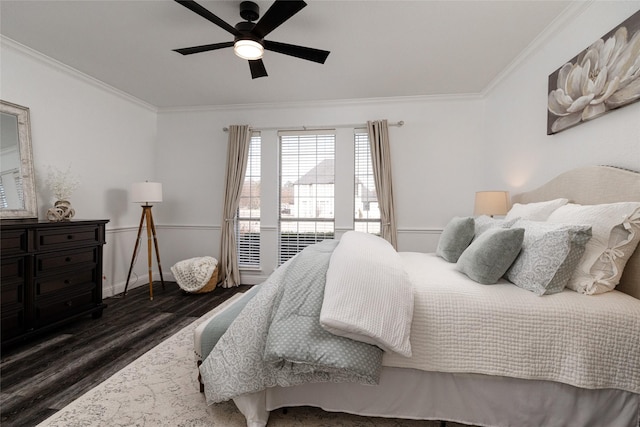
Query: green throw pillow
x,y
455,238
489,256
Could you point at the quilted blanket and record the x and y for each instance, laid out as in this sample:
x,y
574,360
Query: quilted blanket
x,y
461,326
277,339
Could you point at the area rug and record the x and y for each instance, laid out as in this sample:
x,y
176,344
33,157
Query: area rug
x,y
160,388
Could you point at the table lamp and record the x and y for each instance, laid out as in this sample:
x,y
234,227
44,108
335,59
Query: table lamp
x,y
491,203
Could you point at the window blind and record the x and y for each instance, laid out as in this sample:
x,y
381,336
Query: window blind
x,y
3,196
307,179
248,215
367,211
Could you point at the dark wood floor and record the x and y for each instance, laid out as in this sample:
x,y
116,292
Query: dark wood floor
x,y
41,376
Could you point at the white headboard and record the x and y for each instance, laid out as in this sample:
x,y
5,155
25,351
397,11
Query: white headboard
x,y
590,186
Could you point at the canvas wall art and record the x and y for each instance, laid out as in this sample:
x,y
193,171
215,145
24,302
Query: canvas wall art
x,y
601,78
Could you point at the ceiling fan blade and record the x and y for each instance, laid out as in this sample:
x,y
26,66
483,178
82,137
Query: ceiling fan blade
x,y
257,68
279,12
195,7
310,54
203,48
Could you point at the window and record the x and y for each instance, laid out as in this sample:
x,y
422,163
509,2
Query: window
x,y
248,215
3,196
367,211
306,190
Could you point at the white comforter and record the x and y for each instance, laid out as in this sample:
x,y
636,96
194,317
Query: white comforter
x,y
368,295
462,326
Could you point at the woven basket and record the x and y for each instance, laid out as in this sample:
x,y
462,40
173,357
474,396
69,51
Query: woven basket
x,y
211,284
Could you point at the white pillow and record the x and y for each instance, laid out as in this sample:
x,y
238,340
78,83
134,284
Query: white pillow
x,y
368,295
615,231
538,211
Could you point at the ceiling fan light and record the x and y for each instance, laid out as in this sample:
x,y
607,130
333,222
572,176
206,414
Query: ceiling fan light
x,y
248,49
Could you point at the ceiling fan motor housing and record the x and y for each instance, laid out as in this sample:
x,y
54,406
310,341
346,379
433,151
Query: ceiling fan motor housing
x,y
245,28
249,11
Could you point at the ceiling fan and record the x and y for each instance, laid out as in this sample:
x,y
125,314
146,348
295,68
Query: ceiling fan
x,y
249,42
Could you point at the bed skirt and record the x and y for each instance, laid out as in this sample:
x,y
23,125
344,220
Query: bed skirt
x,y
479,400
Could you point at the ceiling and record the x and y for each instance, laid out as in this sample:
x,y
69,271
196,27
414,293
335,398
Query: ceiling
x,y
378,48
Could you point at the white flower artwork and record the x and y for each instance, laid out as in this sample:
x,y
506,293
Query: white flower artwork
x,y
601,78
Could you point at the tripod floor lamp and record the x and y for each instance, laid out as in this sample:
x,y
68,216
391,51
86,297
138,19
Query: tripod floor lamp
x,y
146,193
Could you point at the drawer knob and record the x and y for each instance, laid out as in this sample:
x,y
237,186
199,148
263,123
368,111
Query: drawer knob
x,y
67,282
69,236
69,303
68,259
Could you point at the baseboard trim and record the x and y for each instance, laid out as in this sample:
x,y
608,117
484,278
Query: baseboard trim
x,y
110,290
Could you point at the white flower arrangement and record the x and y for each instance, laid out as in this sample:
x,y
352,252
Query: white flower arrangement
x,y
62,183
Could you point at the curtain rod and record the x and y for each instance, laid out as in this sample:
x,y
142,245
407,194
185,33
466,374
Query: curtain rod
x,y
323,127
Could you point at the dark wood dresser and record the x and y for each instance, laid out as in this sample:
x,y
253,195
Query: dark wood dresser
x,y
51,274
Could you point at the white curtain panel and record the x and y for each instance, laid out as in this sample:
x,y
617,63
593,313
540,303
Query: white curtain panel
x,y
237,155
381,161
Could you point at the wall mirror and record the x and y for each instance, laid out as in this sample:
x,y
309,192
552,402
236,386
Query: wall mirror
x,y
17,180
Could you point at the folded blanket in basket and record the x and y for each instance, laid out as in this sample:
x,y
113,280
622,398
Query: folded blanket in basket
x,y
193,274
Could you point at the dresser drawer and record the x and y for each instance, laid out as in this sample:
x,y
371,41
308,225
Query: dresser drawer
x,y
15,242
13,321
49,310
52,261
58,283
67,236
13,269
12,293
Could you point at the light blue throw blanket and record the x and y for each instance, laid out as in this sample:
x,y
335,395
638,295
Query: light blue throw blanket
x,y
217,326
277,339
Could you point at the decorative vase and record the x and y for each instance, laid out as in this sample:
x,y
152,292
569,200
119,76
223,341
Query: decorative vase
x,y
61,211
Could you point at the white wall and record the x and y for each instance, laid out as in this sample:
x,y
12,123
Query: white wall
x,y
523,156
107,138
448,148
435,159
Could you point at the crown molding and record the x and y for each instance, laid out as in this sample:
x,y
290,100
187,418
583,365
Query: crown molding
x,y
575,9
8,43
327,103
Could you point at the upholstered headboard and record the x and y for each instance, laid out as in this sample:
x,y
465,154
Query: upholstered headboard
x,y
594,185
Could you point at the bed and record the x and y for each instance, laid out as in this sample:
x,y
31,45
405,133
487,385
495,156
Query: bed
x,y
495,355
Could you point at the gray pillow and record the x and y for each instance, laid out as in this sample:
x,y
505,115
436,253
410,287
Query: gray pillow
x,y
550,254
455,238
489,256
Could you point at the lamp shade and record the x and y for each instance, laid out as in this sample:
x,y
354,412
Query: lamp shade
x,y
146,192
491,203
